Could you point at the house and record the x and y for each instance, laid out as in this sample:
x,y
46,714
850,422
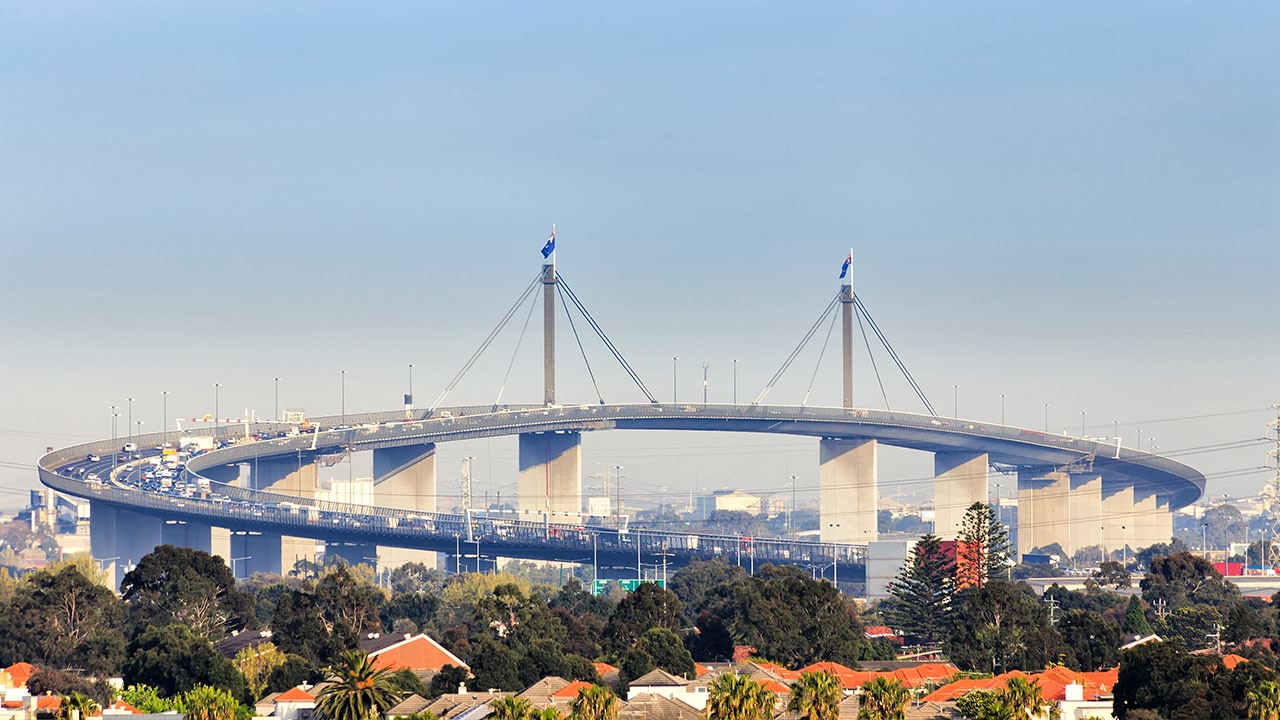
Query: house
x,y
657,707
1077,694
295,704
874,632
411,705
241,639
1133,641
419,653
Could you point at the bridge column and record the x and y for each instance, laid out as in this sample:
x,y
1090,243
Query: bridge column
x,y
1086,511
847,490
120,534
187,534
1044,509
551,472
354,553
959,480
1153,522
405,478
225,474
271,552
1117,517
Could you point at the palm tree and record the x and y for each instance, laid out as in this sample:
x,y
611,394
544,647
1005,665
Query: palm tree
x,y
511,708
203,702
884,699
547,713
738,697
594,703
816,696
1263,701
1026,698
358,690
78,706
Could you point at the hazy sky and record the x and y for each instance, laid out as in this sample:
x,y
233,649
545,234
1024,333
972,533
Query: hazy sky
x,y
1068,203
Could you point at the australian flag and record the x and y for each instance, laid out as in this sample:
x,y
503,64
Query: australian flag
x,y
550,247
844,269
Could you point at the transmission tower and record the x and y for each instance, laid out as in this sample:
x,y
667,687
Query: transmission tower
x,y
1273,487
464,485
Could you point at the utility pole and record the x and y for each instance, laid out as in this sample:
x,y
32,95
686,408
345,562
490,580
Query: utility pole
x,y
705,365
1216,637
1052,602
1161,606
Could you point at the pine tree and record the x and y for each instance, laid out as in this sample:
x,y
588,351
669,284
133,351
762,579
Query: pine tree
x,y
1135,620
920,597
982,549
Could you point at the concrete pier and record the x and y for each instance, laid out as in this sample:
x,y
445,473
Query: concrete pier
x,y
1153,522
1086,511
122,535
405,477
960,479
1117,517
847,490
551,472
1044,509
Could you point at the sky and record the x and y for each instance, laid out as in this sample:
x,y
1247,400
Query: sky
x,y
1061,203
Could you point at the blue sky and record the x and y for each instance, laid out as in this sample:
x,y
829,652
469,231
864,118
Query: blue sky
x,y
1062,202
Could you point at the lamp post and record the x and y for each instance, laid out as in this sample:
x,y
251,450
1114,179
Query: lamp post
x,y
216,387
410,382
130,425
343,374
1046,417
735,382
1001,408
114,416
1082,433
1204,540
705,365
791,518
674,395
277,415
955,405
164,414
617,494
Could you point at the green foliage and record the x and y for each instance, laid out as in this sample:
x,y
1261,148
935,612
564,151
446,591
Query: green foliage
x,y
294,671
511,708
357,690
816,696
919,603
883,699
1135,620
1264,701
1193,624
696,584
1183,578
65,682
173,659
790,617
667,650
173,584
1113,574
256,664
78,706
203,702
300,627
594,703
978,705
1001,626
1092,641
147,699
738,697
446,681
60,618
349,601
648,607
982,547
1159,676
405,682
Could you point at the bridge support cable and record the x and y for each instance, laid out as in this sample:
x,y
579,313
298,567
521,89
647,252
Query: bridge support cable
x,y
867,342
503,387
803,341
613,349
485,345
581,349
821,353
894,355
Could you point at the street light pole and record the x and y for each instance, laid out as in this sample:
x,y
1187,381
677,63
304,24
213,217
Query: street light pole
x,y
674,394
705,364
164,417
130,425
343,373
277,416
735,382
1046,417
216,387
955,407
1002,408
411,382
1082,433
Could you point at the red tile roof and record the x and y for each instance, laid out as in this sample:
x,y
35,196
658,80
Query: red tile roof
x,y
296,694
603,669
122,706
1053,683
699,669
20,673
571,690
773,686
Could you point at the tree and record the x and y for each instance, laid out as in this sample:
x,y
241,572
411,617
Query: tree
x,y
291,673
667,651
300,628
1093,640
77,706
60,618
816,696
1263,701
792,618
357,690
696,583
649,606
1163,677
884,699
176,584
67,682
510,708
738,697
1113,574
207,703
173,659
1194,624
1001,626
447,681
147,700
982,548
256,663
919,602
1183,578
1135,620
1025,698
348,602
594,703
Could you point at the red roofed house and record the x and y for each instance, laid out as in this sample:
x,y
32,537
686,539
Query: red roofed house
x,y
570,691
1077,694
120,707
415,652
294,704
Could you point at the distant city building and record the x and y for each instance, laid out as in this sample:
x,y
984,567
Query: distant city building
x,y
726,500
